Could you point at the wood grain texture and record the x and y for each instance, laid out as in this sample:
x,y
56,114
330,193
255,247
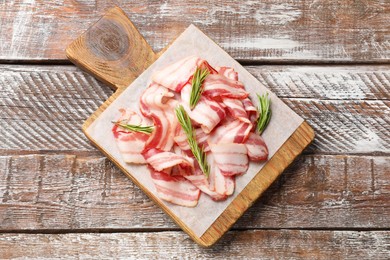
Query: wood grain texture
x,y
266,31
112,50
65,192
292,147
43,107
258,244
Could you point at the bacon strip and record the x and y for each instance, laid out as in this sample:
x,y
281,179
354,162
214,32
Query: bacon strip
x,y
157,103
204,184
236,109
230,132
257,149
207,113
161,160
130,144
178,74
223,184
201,138
231,159
217,86
175,189
227,72
251,110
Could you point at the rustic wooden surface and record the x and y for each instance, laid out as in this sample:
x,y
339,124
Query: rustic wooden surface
x,y
112,48
59,197
270,30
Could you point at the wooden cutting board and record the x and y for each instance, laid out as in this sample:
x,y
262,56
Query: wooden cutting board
x,y
115,52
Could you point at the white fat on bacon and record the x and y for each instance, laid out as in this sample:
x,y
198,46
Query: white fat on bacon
x,y
227,72
178,74
161,160
231,158
130,144
175,188
201,139
220,184
207,113
217,86
257,149
205,184
223,184
251,110
236,109
230,132
157,104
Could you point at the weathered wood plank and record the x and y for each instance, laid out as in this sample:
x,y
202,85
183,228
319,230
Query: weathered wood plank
x,y
60,192
43,108
326,82
270,31
258,244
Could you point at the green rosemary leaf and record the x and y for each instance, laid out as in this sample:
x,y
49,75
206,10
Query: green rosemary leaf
x,y
135,128
189,130
196,90
264,110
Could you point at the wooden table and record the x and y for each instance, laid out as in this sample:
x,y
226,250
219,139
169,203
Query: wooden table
x,y
330,62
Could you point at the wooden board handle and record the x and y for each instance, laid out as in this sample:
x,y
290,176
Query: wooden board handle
x,y
112,50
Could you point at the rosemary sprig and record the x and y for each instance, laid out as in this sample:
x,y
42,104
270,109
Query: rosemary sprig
x,y
264,112
197,81
135,128
189,130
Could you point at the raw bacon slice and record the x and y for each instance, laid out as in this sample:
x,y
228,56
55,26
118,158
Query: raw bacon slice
x,y
200,180
130,144
207,113
175,189
251,110
231,159
161,160
230,132
157,103
201,138
227,72
257,149
217,86
223,184
155,97
236,109
178,74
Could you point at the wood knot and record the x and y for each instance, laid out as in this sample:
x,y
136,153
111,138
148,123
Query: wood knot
x,y
108,40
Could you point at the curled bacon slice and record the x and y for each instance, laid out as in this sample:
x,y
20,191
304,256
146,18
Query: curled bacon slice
x,y
223,184
230,132
205,184
231,158
178,74
130,144
257,149
207,113
175,189
227,72
161,160
217,86
251,110
157,104
236,109
201,138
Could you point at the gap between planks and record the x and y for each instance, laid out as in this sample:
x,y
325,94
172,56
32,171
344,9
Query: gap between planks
x,y
160,230
243,62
